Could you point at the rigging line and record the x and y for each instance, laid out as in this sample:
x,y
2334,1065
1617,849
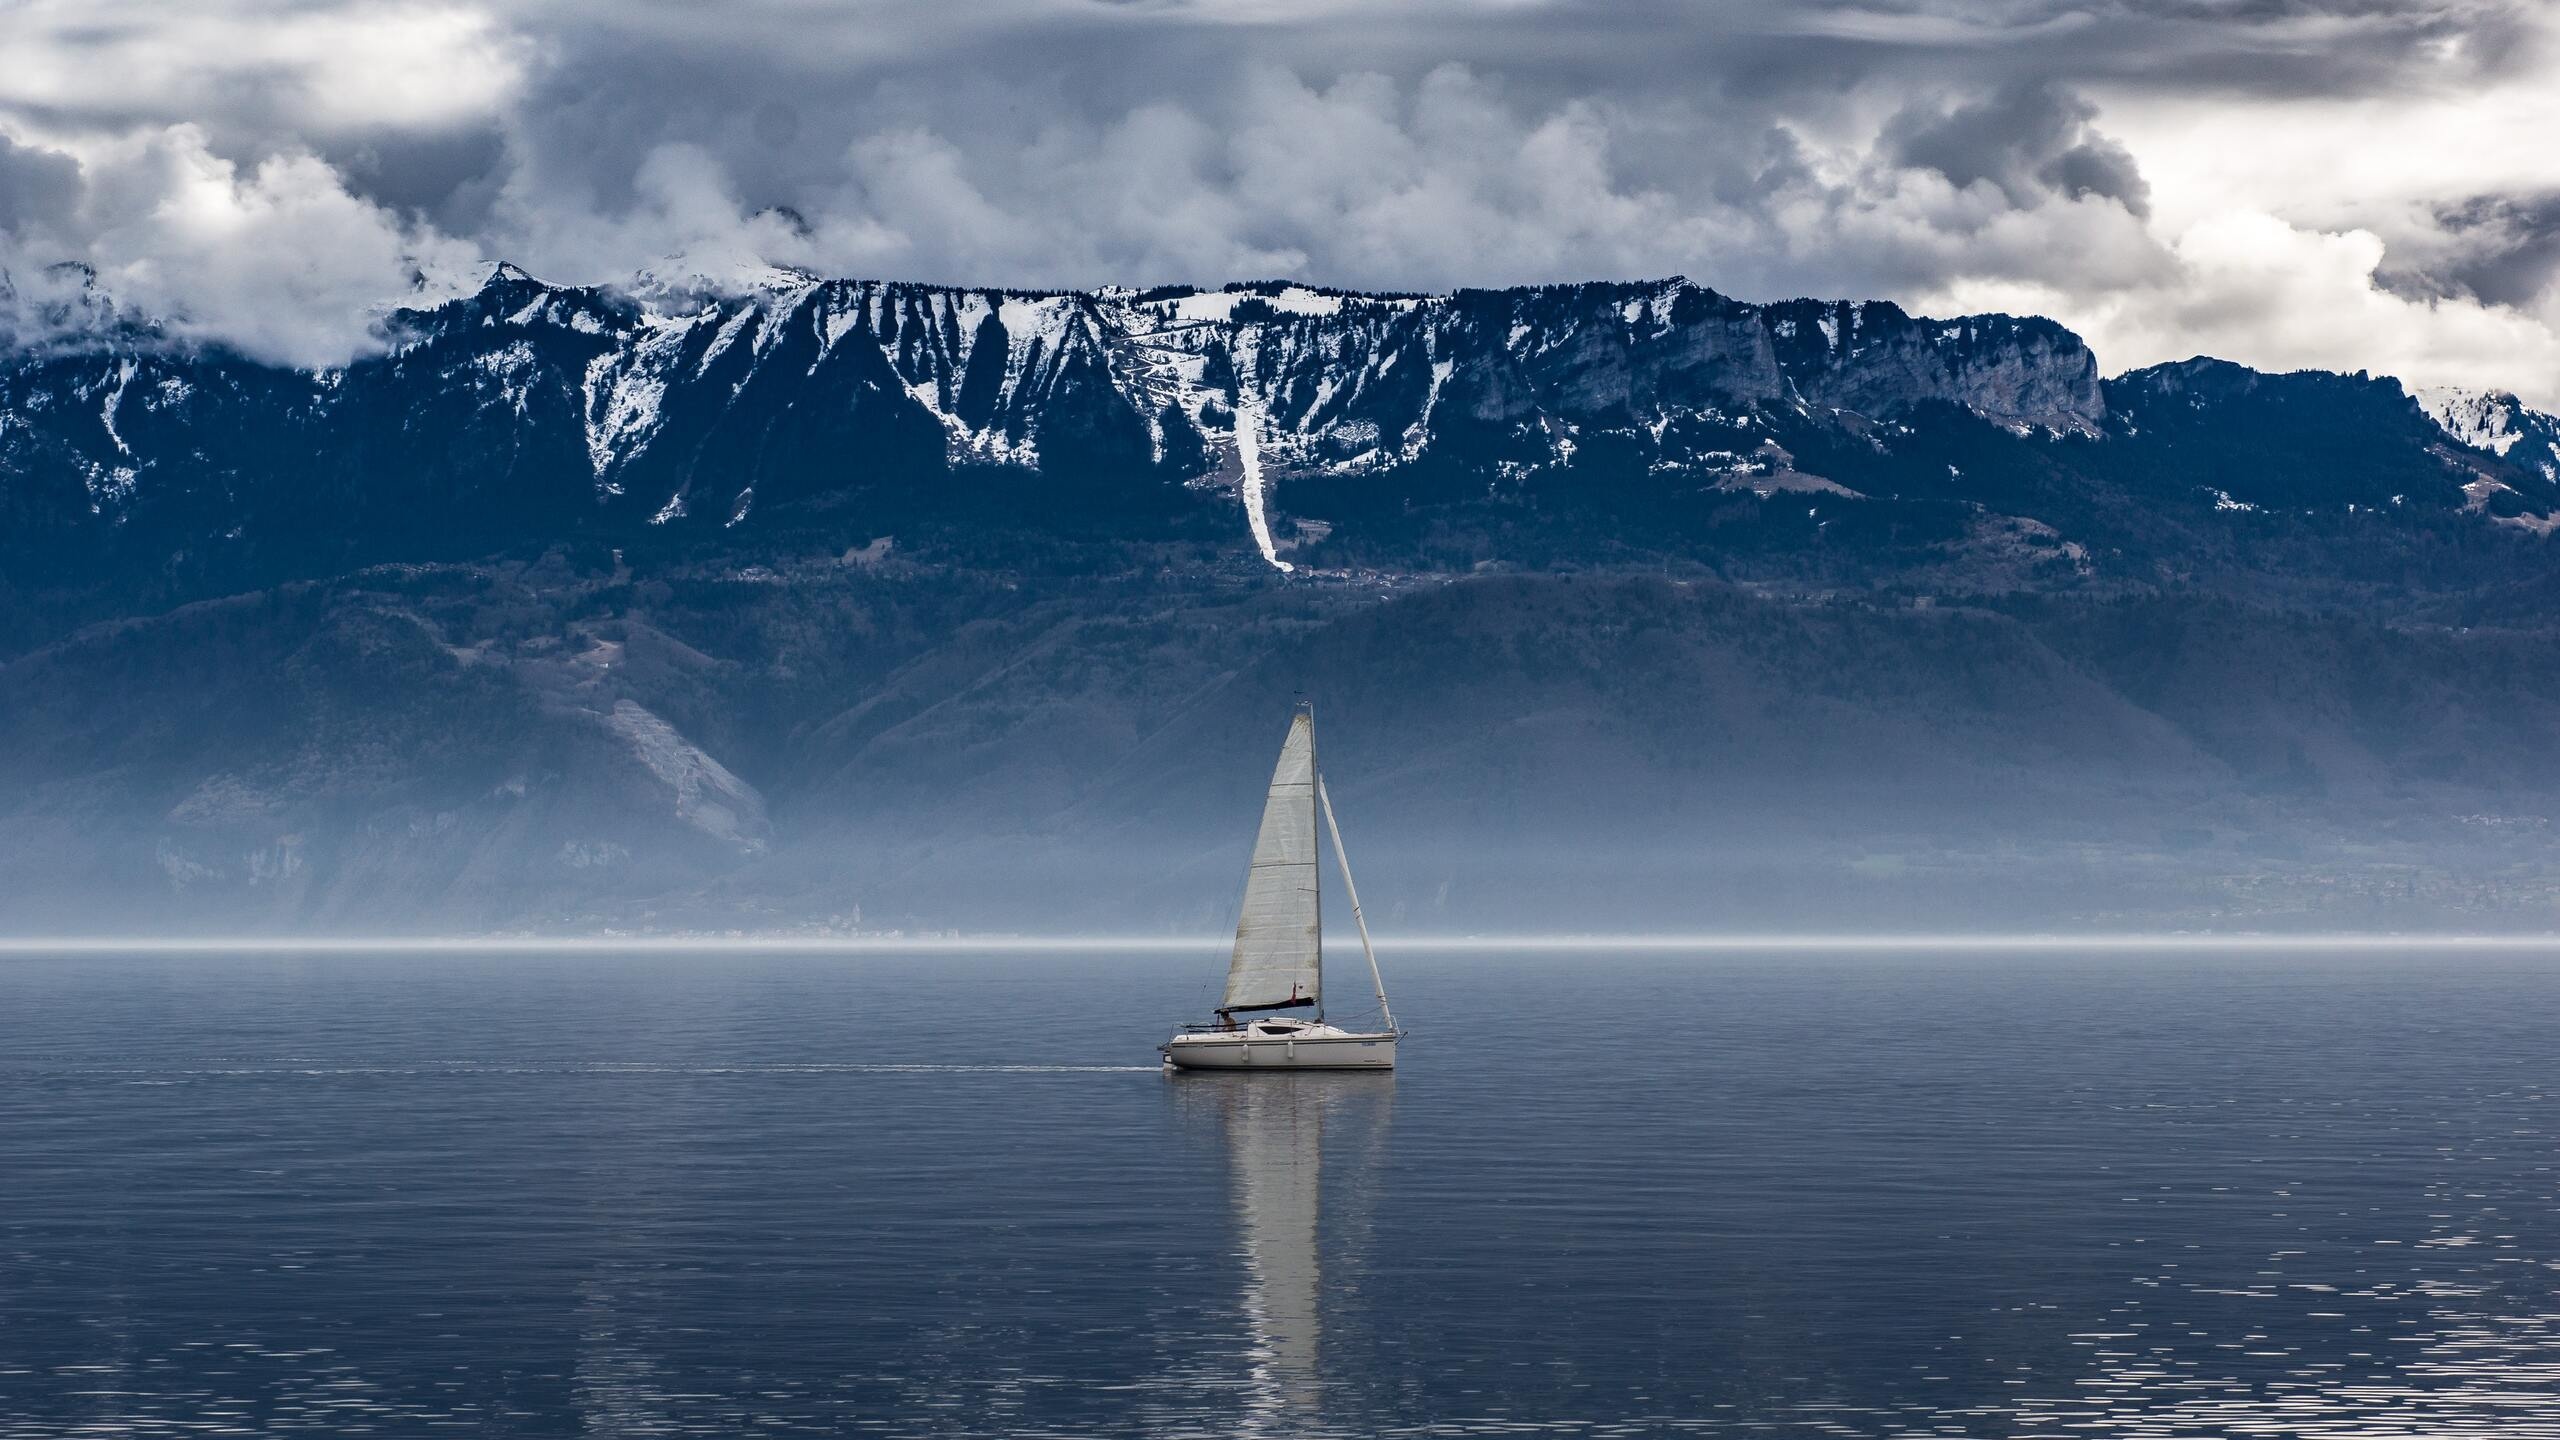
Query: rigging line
x,y
1343,858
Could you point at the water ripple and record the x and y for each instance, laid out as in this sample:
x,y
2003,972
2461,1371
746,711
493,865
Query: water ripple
x,y
2241,1195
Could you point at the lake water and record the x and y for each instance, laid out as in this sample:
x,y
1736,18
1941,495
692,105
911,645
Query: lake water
x,y
951,1195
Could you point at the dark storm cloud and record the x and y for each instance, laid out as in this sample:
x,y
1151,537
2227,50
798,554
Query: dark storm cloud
x,y
778,91
2028,141
37,186
2501,249
449,177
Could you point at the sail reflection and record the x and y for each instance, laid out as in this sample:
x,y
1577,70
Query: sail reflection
x,y
1281,1130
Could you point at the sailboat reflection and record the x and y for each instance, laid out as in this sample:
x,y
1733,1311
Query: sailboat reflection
x,y
1280,1129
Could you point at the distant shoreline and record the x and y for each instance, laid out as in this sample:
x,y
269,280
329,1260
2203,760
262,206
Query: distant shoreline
x,y
1096,944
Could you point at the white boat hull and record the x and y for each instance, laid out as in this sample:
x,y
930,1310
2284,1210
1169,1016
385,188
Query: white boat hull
x,y
1340,1050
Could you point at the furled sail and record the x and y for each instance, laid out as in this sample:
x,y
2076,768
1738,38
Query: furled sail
x,y
1279,959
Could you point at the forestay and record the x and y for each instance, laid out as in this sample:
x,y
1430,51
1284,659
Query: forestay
x,y
1279,960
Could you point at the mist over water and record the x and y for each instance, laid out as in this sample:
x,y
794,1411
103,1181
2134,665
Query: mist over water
x,y
1507,752
2290,1193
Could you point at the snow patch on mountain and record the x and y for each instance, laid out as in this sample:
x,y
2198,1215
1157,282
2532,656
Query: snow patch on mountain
x,y
684,285
727,335
1249,455
2481,419
115,397
1219,306
2496,421
109,487
511,371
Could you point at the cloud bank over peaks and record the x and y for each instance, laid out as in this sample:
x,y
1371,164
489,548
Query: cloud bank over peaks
x,y
279,260
2340,183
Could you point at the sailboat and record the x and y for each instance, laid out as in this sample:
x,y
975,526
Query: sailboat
x,y
1278,962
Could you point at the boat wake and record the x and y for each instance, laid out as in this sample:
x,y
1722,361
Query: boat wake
x,y
142,1074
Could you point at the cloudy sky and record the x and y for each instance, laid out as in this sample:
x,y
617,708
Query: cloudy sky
x,y
2343,183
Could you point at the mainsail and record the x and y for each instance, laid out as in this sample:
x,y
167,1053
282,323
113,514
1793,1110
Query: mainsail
x,y
1279,955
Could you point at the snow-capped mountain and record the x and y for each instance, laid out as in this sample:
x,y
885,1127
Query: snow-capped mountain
x,y
1273,416
688,405
2499,423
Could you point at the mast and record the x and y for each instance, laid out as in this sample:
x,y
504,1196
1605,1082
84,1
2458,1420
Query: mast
x,y
1343,858
1315,865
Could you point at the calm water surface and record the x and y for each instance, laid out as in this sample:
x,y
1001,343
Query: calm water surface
x,y
2264,1195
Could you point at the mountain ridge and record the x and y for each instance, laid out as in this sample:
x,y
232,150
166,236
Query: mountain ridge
x,y
1616,417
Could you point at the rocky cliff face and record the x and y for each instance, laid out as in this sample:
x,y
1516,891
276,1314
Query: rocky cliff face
x,y
528,408
1825,442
